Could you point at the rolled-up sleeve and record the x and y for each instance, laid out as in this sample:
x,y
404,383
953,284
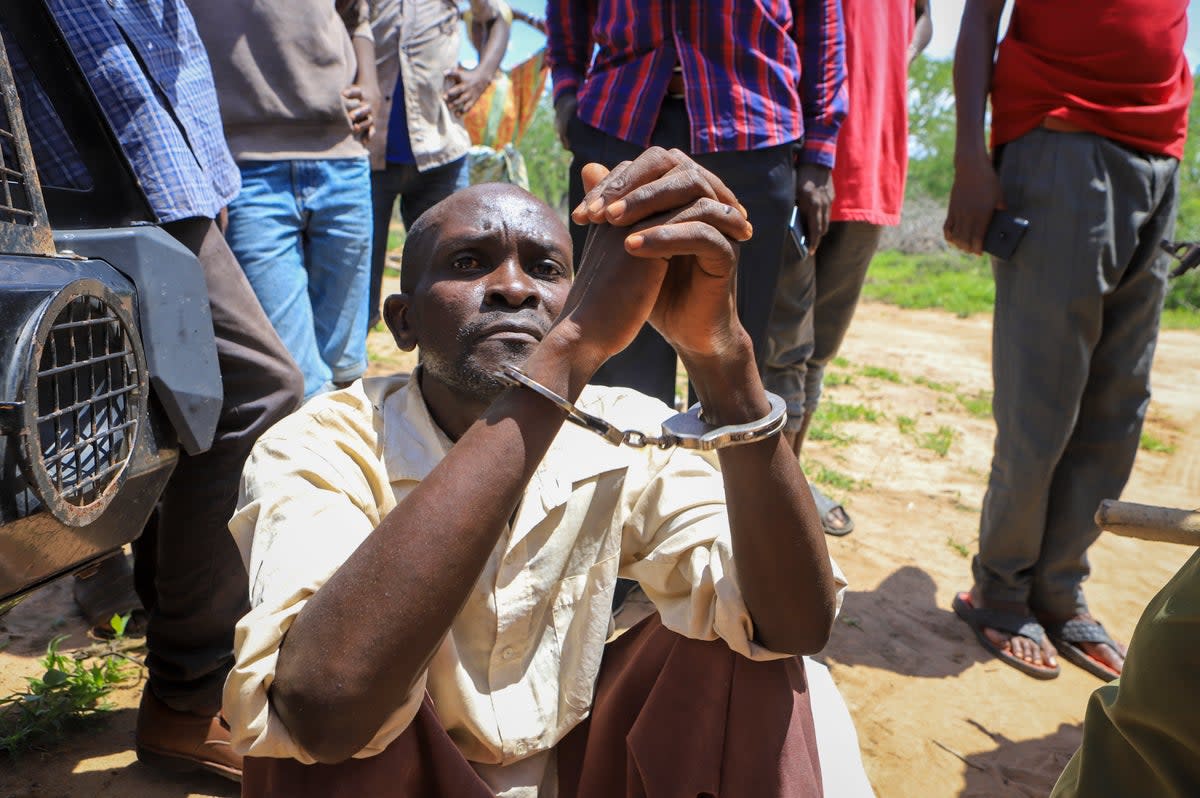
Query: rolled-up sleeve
x,y
677,545
300,516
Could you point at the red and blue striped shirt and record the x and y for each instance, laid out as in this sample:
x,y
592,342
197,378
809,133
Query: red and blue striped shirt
x,y
756,73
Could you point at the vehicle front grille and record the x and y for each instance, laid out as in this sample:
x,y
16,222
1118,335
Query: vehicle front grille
x,y
88,397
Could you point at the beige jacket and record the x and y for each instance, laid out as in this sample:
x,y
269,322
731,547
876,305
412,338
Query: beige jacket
x,y
420,39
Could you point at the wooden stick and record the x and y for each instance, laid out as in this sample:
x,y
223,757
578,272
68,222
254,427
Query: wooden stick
x,y
1148,522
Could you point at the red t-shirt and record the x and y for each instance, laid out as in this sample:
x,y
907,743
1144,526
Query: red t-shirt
x,y
1113,67
872,148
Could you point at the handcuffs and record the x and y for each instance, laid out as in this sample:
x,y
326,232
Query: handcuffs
x,y
686,430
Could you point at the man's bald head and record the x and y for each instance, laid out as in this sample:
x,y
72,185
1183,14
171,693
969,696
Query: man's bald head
x,y
482,204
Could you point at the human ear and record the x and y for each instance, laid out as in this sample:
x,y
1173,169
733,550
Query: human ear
x,y
395,315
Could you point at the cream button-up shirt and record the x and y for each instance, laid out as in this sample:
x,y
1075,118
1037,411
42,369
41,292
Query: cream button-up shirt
x,y
516,671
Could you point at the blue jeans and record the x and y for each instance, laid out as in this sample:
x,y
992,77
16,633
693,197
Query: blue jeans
x,y
301,231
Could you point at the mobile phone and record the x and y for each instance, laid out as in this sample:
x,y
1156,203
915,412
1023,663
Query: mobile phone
x,y
796,228
1003,234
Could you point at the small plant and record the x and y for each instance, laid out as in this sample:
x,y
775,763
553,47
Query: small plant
x,y
72,688
907,424
978,405
880,373
837,412
941,387
841,362
822,429
834,479
832,379
961,548
1153,444
937,442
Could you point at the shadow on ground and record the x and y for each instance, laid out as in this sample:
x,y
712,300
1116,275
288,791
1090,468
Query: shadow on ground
x,y
1026,768
884,628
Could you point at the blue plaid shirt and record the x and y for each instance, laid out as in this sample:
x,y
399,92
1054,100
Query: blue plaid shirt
x,y
164,113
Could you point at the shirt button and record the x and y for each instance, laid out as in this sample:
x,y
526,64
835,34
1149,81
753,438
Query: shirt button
x,y
508,653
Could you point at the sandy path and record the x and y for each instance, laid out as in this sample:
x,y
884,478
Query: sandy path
x,y
935,716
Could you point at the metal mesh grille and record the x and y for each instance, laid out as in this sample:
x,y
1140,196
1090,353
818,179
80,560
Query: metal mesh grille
x,y
15,207
87,415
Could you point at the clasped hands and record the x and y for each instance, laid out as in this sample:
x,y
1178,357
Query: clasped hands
x,y
662,249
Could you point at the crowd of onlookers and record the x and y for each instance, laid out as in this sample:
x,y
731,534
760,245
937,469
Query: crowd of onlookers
x,y
274,140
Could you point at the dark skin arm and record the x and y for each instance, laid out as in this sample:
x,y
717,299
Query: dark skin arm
x,y
922,30
425,556
976,192
779,545
470,84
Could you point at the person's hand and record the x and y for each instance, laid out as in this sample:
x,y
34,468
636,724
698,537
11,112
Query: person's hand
x,y
975,196
814,198
464,88
360,110
676,215
564,112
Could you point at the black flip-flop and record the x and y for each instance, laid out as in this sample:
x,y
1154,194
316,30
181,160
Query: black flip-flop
x,y
825,506
979,618
1066,635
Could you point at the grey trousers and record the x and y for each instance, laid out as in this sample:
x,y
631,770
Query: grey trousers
x,y
814,303
1077,310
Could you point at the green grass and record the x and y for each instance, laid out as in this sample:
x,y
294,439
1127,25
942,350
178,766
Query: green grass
x,y
938,442
906,424
978,404
835,378
822,429
947,280
963,285
961,548
933,385
1153,444
836,412
841,362
395,241
880,373
834,479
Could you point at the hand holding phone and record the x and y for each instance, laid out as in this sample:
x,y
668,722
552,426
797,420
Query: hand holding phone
x,y
796,228
1003,234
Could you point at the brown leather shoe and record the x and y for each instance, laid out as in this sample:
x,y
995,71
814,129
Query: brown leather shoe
x,y
181,741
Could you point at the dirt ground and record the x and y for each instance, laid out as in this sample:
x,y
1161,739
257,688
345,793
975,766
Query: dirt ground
x,y
935,716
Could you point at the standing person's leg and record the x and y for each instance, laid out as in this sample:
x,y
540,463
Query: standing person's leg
x,y
264,232
1099,456
1048,320
385,188
190,571
841,269
648,364
423,190
842,262
790,338
334,197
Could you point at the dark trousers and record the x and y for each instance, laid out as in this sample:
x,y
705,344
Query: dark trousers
x,y
814,304
1077,309
671,718
188,570
417,192
763,180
